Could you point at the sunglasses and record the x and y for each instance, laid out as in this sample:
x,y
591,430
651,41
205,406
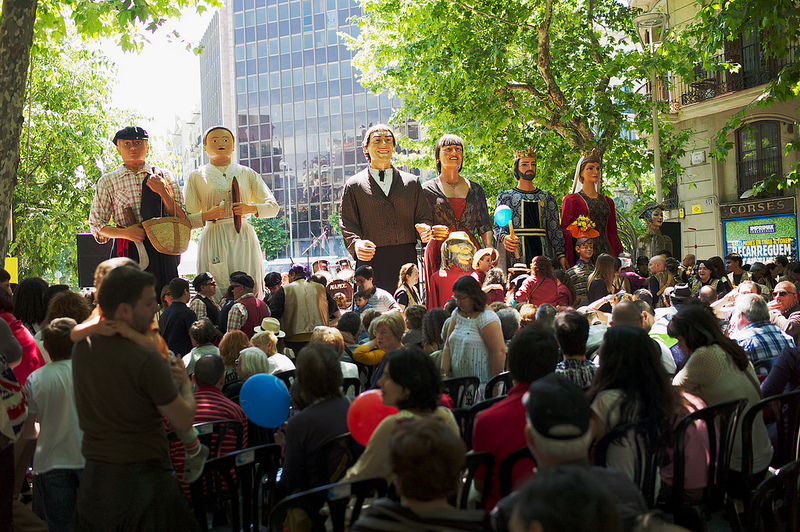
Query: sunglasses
x,y
782,293
212,283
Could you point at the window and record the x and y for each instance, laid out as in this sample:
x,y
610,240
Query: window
x,y
758,154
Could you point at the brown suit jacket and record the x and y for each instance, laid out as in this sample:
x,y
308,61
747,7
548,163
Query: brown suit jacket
x,y
387,221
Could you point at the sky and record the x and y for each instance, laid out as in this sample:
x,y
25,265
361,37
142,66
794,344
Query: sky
x,y
163,81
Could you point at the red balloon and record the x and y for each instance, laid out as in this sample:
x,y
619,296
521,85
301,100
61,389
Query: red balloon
x,y
366,413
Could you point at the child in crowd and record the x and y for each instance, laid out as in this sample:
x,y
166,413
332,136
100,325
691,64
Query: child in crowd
x,y
361,301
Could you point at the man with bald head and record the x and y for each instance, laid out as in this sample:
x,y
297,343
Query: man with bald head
x,y
631,314
755,334
659,279
784,310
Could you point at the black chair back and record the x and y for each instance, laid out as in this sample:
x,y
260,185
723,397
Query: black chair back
x,y
720,422
785,409
475,461
643,440
775,506
213,433
498,385
337,497
352,386
462,390
256,473
287,377
335,457
506,471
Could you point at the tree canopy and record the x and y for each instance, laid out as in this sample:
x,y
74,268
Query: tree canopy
x,y
556,75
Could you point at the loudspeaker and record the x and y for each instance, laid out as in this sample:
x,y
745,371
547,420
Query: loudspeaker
x,y
90,254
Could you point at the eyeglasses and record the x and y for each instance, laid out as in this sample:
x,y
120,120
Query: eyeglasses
x,y
460,298
782,293
211,283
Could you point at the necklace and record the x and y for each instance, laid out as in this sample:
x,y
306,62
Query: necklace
x,y
455,186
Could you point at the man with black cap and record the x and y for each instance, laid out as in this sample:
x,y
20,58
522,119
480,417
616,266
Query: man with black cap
x,y
272,281
537,230
559,433
131,194
247,310
203,303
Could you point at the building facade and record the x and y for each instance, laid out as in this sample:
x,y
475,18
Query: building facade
x,y
278,73
714,200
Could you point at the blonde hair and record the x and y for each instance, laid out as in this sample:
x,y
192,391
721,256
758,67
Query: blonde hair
x,y
393,320
329,336
266,341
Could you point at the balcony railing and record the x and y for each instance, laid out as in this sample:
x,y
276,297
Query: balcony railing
x,y
755,69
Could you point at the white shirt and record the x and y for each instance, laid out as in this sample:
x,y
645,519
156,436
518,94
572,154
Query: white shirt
x,y
386,184
51,397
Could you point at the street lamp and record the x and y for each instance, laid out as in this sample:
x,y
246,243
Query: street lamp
x,y
285,166
651,27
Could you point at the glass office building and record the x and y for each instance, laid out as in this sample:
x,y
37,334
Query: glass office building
x,y
300,113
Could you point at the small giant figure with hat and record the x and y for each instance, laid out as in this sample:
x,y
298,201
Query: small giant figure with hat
x,y
535,217
219,197
132,194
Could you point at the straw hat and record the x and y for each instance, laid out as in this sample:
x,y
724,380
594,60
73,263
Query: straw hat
x,y
270,325
169,235
482,253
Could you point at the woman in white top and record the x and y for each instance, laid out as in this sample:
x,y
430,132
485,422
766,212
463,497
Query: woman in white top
x,y
474,345
717,370
268,342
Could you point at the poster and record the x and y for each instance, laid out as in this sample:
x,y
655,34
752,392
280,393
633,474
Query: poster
x,y
761,239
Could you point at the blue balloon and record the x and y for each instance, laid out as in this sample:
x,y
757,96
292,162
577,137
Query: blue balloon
x,y
265,400
502,215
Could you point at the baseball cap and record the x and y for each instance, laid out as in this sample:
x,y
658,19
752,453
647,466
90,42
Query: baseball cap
x,y
557,408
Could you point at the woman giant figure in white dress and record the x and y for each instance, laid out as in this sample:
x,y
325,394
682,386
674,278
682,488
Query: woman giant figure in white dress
x,y
209,203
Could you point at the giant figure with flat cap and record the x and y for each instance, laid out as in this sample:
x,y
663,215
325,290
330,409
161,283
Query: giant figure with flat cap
x,y
219,196
535,217
131,194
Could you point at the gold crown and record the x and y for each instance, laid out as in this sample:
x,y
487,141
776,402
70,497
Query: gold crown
x,y
594,152
529,152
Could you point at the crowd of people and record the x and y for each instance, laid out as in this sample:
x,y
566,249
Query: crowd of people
x,y
591,337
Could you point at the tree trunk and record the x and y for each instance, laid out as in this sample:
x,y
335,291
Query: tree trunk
x,y
16,38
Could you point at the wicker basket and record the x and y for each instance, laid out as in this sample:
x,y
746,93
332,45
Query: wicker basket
x,y
169,234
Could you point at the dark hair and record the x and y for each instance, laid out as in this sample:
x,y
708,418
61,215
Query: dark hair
x,y
549,498
572,332
5,302
364,271
546,316
56,340
427,458
4,275
432,324
318,375
566,280
50,292
468,286
541,267
630,361
203,331
361,294
708,266
319,279
447,140
68,304
451,305
368,134
411,368
532,354
208,370
298,270
645,295
349,322
734,257
28,301
699,328
414,315
178,287
781,260
604,270
642,259
644,306
122,285
717,266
